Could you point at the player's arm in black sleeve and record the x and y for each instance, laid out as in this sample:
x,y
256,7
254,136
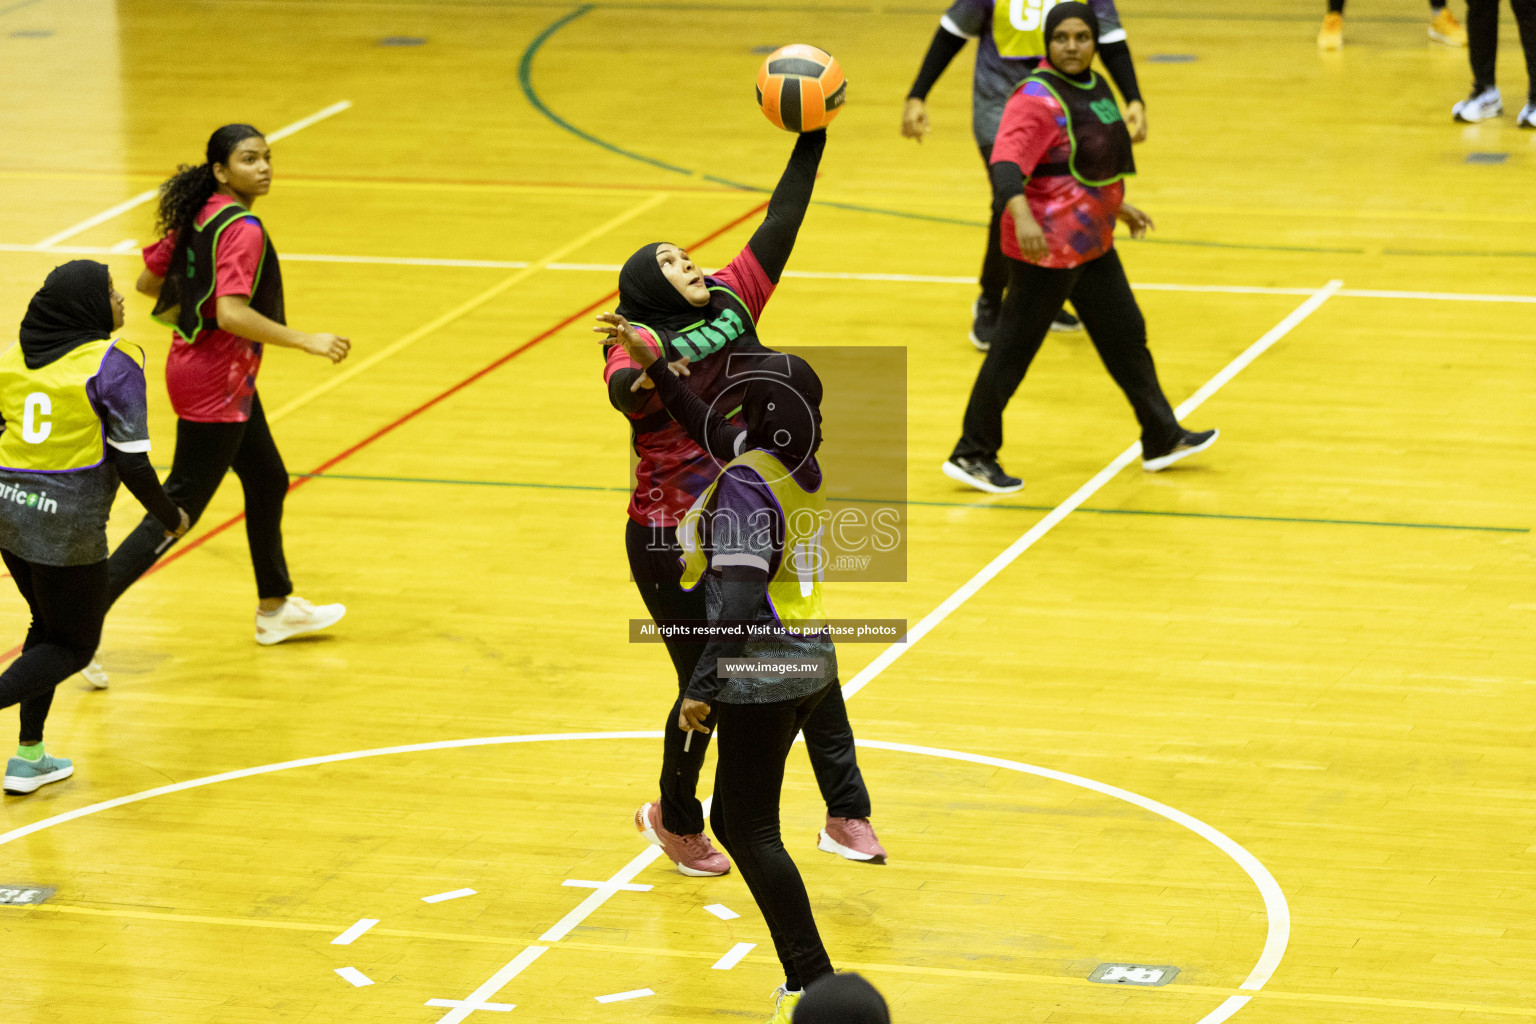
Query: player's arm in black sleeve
x,y
709,430
772,242
742,590
1117,61
1007,182
619,394
134,469
940,52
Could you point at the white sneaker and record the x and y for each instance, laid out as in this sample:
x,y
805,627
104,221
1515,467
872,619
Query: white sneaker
x,y
95,674
1527,116
294,617
1480,106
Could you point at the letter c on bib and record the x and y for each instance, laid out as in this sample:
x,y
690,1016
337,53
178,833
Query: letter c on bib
x,y
37,407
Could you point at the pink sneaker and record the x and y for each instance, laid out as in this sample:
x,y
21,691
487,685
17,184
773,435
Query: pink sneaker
x,y
853,838
694,855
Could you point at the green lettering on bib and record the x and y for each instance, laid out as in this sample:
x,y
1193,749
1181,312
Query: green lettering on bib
x,y
1105,110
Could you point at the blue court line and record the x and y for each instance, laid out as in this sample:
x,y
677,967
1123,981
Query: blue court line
x,y
16,7
1000,506
525,81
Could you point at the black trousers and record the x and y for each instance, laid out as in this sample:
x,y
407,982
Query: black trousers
x,y
653,562
1102,297
749,778
69,604
1483,40
205,452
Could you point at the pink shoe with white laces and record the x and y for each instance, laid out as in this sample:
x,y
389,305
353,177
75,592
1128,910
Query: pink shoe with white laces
x,y
853,838
694,855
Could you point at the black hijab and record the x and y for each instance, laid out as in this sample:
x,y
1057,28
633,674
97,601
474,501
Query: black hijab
x,y
647,297
782,408
1060,13
841,999
73,306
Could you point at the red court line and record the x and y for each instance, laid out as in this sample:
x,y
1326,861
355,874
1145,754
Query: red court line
x,y
442,396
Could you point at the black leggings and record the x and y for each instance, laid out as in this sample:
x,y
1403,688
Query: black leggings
x,y
1483,40
1102,297
754,744
653,561
204,453
68,605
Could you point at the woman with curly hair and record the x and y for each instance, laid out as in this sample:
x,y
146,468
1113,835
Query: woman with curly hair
x,y
215,278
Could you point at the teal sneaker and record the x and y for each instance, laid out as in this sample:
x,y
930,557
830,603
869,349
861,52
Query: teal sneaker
x,y
23,776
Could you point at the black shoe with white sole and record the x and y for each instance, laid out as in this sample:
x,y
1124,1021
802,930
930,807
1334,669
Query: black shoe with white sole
x,y
982,473
1065,323
986,314
1189,443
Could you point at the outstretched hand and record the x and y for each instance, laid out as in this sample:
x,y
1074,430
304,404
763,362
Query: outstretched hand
x,y
620,331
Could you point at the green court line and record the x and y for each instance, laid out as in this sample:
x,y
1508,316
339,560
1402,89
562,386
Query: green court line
x,y
16,7
529,485
525,81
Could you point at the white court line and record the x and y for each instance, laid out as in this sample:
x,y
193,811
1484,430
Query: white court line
x,y
722,911
582,883
816,275
1250,865
351,935
1011,553
144,197
476,1000
1275,907
355,976
561,928
453,895
619,997
734,957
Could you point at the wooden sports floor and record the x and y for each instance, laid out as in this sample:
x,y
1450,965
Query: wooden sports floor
x,y
1266,718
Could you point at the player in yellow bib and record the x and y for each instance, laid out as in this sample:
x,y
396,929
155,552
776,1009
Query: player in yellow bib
x,y
753,542
73,423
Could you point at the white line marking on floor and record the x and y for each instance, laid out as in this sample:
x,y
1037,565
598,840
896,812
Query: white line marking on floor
x,y
471,1007
351,935
581,883
362,365
144,197
1143,286
304,122
1011,553
1275,907
476,1000
722,911
1277,911
1251,867
455,894
126,245
733,958
355,976
619,997
620,880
